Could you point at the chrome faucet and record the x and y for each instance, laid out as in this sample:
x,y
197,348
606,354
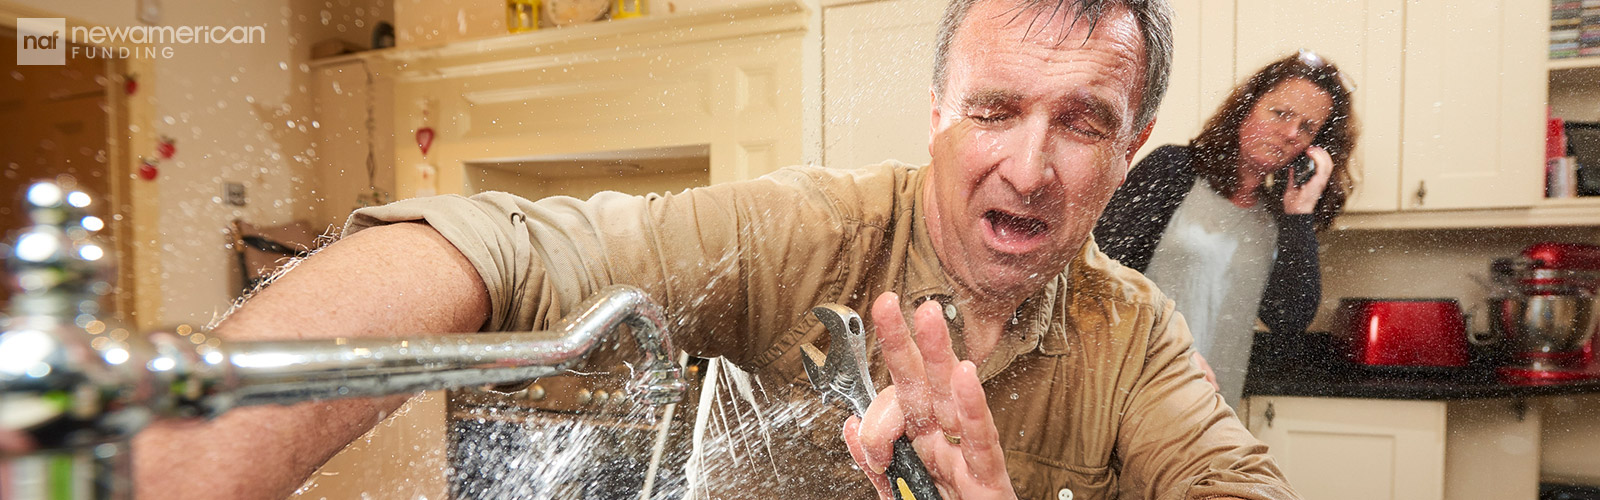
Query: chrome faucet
x,y
74,388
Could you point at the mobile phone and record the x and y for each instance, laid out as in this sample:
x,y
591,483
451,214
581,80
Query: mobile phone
x,y
1304,168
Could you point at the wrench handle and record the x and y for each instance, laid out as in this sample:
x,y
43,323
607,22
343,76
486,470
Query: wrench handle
x,y
908,477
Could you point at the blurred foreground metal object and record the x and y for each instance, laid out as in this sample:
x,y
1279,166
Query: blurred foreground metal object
x,y
74,388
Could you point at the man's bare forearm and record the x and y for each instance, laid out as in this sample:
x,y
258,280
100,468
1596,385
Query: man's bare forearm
x,y
381,282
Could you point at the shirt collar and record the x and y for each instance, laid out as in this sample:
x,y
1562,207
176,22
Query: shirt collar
x,y
1034,326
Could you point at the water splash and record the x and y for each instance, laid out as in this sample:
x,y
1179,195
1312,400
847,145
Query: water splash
x,y
733,435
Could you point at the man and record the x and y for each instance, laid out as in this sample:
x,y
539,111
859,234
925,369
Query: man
x,y
1074,376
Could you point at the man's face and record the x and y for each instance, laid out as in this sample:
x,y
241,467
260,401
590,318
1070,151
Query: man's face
x,y
1030,136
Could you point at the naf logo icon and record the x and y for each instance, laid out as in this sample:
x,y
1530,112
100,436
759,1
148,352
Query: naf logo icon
x,y
40,41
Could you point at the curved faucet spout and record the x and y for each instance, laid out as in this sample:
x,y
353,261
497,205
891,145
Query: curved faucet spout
x,y
256,373
659,381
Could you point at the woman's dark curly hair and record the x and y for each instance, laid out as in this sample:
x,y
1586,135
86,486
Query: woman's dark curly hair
x,y
1216,149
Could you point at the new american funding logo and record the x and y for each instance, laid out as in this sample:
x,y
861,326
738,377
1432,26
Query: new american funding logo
x,y
48,41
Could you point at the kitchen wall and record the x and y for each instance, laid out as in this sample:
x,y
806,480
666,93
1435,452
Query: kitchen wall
x,y
341,94
243,113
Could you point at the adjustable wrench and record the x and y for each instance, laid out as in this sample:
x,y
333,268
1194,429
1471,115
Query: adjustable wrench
x,y
842,373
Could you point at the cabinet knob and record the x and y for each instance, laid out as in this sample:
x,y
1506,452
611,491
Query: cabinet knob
x,y
1270,413
1422,192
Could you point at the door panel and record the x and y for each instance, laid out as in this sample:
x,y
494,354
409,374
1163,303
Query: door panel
x,y
1333,448
1202,71
1475,90
877,66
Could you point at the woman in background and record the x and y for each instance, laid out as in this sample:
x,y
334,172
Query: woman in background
x,y
1222,227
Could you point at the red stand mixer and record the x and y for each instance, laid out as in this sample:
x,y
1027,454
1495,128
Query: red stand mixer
x,y
1544,312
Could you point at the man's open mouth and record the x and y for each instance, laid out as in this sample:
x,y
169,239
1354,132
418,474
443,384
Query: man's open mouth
x,y
1010,227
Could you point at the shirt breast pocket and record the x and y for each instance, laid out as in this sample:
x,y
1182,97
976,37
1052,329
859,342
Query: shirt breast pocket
x,y
1037,478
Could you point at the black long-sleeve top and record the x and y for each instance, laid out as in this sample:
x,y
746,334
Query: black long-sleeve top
x,y
1132,225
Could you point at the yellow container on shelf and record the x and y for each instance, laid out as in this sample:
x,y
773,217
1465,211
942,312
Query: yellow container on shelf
x,y
522,15
623,9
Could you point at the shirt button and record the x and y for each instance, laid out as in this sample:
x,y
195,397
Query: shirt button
x,y
1064,494
950,311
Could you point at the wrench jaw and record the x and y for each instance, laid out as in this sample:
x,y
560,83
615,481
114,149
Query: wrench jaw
x,y
815,363
841,372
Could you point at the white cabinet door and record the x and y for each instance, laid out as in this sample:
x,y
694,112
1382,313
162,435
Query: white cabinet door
x,y
1333,448
877,63
1362,37
1493,450
1202,70
1475,86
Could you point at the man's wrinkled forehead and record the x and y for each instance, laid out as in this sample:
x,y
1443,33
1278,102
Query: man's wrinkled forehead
x,y
1067,31
1063,23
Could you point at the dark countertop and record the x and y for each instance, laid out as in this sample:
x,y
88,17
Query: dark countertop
x,y
1307,364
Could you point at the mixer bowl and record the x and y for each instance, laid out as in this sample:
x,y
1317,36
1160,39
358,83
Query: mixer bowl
x,y
1544,329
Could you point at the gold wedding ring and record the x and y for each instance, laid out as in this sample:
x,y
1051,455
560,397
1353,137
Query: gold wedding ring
x,y
953,439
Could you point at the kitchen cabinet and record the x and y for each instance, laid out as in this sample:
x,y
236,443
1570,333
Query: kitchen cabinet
x,y
1355,448
1331,448
1475,89
1450,99
1475,82
1202,70
725,79
1362,37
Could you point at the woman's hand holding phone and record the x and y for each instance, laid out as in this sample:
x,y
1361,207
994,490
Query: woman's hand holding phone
x,y
1302,198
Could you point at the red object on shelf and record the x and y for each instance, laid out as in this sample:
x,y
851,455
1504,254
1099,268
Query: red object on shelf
x,y
1402,332
167,147
1555,138
147,170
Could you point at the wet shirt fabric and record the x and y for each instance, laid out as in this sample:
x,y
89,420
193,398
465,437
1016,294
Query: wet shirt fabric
x,y
1213,262
1092,387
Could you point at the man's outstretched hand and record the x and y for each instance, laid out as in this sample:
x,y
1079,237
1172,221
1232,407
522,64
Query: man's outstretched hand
x,y
937,402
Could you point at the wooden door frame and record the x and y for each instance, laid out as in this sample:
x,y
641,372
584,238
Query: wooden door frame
x,y
135,209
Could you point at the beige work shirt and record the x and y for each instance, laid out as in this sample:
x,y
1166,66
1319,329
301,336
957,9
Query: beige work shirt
x,y
1092,387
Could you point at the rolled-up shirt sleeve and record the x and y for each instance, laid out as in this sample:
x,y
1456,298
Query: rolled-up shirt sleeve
x,y
700,253
1179,440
